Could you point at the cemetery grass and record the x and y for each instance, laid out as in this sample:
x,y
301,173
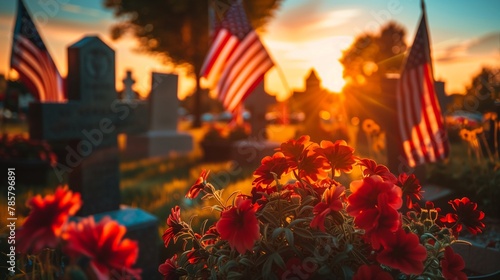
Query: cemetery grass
x,y
158,184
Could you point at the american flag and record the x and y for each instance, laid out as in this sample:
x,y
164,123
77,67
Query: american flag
x,y
237,60
421,128
32,61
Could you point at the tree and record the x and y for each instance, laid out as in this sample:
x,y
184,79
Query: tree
x,y
367,61
483,91
178,30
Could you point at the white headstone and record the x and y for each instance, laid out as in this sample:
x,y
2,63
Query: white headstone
x,y
162,137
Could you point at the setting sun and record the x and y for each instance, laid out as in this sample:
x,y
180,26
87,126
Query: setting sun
x,y
322,54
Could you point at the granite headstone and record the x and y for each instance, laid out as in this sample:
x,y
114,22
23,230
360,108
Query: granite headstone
x,y
163,136
89,122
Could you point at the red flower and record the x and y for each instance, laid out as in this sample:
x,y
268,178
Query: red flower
x,y
48,215
379,223
404,252
276,164
195,256
239,225
103,245
198,185
371,272
294,149
175,226
340,156
313,166
452,265
365,194
321,186
467,215
169,269
412,190
331,203
372,168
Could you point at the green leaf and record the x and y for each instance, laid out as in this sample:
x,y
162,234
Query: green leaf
x,y
297,221
246,262
277,232
308,200
268,265
234,275
217,208
340,257
289,237
320,234
203,225
279,260
230,265
267,268
303,233
324,270
207,196
269,217
290,208
348,273
208,237
305,208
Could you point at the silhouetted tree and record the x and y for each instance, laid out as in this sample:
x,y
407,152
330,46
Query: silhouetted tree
x,y
178,30
483,91
369,59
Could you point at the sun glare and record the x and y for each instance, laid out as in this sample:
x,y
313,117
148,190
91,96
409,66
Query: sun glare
x,y
297,58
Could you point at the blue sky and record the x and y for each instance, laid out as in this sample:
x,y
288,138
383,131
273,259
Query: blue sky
x,y
303,34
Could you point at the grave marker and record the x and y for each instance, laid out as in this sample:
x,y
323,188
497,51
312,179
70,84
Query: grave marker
x,y
162,136
89,122
128,82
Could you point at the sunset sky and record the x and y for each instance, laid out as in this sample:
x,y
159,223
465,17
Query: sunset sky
x,y
304,34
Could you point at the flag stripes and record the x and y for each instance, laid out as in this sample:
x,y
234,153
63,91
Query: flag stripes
x,y
420,121
237,60
32,61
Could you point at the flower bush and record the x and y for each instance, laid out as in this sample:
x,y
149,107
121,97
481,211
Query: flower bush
x,y
299,222
50,247
20,147
228,133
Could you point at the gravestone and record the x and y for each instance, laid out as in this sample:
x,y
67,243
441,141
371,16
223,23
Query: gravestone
x,y
128,82
257,104
89,122
249,152
163,136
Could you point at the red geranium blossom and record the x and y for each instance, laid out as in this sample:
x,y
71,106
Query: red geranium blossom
x,y
452,265
365,194
276,164
331,203
294,149
404,252
48,215
379,223
239,225
313,166
371,272
412,190
466,214
103,245
339,155
169,269
198,185
174,223
321,186
372,168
